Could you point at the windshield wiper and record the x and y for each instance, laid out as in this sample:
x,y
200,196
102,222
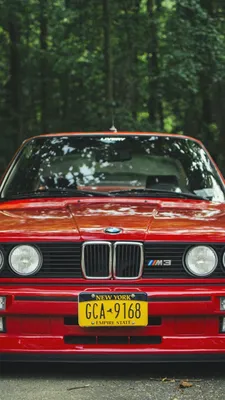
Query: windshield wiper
x,y
158,193
68,192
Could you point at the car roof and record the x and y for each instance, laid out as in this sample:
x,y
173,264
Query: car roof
x,y
115,134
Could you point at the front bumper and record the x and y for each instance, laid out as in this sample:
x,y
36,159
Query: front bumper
x,y
41,325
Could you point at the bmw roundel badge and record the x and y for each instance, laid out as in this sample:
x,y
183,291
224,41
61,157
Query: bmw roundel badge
x,y
113,230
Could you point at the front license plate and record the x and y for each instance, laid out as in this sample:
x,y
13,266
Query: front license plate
x,y
112,309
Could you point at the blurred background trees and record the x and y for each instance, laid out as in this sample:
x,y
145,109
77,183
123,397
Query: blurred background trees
x,y
157,65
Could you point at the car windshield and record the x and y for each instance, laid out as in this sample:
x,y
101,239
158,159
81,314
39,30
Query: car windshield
x,y
114,164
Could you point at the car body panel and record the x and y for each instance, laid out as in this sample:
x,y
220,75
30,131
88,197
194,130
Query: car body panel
x,y
184,314
86,219
37,322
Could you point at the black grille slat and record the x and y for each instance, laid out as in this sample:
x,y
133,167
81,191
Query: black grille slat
x,y
80,339
154,321
175,252
112,340
63,260
60,260
96,260
128,260
145,340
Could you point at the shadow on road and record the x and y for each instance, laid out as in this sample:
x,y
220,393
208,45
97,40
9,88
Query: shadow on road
x,y
112,371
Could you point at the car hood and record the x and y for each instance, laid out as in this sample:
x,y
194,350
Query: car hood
x,y
138,219
142,219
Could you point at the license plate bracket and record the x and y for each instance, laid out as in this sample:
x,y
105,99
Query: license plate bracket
x,y
108,310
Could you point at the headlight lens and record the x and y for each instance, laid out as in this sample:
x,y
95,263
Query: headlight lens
x,y
201,260
25,260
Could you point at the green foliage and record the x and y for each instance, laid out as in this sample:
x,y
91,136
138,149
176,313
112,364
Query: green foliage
x,y
165,65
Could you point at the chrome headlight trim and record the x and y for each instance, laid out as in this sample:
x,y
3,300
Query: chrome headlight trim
x,y
39,264
188,269
223,259
2,259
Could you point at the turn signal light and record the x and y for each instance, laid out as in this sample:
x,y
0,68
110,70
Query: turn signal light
x,y
222,303
2,303
2,325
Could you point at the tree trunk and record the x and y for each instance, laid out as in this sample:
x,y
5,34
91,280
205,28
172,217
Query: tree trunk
x,y
107,53
14,84
134,44
207,117
43,63
192,118
206,84
209,5
65,80
219,110
155,108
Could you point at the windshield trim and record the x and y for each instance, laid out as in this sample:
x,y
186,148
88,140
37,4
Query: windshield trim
x,y
103,134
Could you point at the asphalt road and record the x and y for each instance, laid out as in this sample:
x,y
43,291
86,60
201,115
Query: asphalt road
x,y
113,382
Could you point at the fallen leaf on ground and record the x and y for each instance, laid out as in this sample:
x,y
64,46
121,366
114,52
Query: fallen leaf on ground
x,y
168,380
79,387
185,384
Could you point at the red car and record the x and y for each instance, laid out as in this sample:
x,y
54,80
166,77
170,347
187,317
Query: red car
x,y
112,248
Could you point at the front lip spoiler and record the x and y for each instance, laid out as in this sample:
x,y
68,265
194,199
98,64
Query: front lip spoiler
x,y
112,358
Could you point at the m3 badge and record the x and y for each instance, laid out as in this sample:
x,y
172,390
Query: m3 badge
x,y
162,263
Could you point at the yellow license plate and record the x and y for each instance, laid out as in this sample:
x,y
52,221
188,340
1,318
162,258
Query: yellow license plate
x,y
112,310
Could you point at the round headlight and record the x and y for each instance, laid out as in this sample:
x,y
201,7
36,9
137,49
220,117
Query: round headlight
x,y
201,260
25,260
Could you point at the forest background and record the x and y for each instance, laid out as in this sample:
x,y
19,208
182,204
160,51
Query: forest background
x,y
68,65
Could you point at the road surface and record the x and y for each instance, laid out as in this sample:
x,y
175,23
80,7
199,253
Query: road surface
x,y
113,382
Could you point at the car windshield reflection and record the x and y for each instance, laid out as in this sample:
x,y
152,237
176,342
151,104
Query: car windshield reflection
x,y
115,163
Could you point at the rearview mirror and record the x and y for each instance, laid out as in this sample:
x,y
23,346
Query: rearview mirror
x,y
113,155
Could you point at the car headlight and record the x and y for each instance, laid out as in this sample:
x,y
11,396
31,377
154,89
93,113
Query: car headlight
x,y
25,260
201,260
